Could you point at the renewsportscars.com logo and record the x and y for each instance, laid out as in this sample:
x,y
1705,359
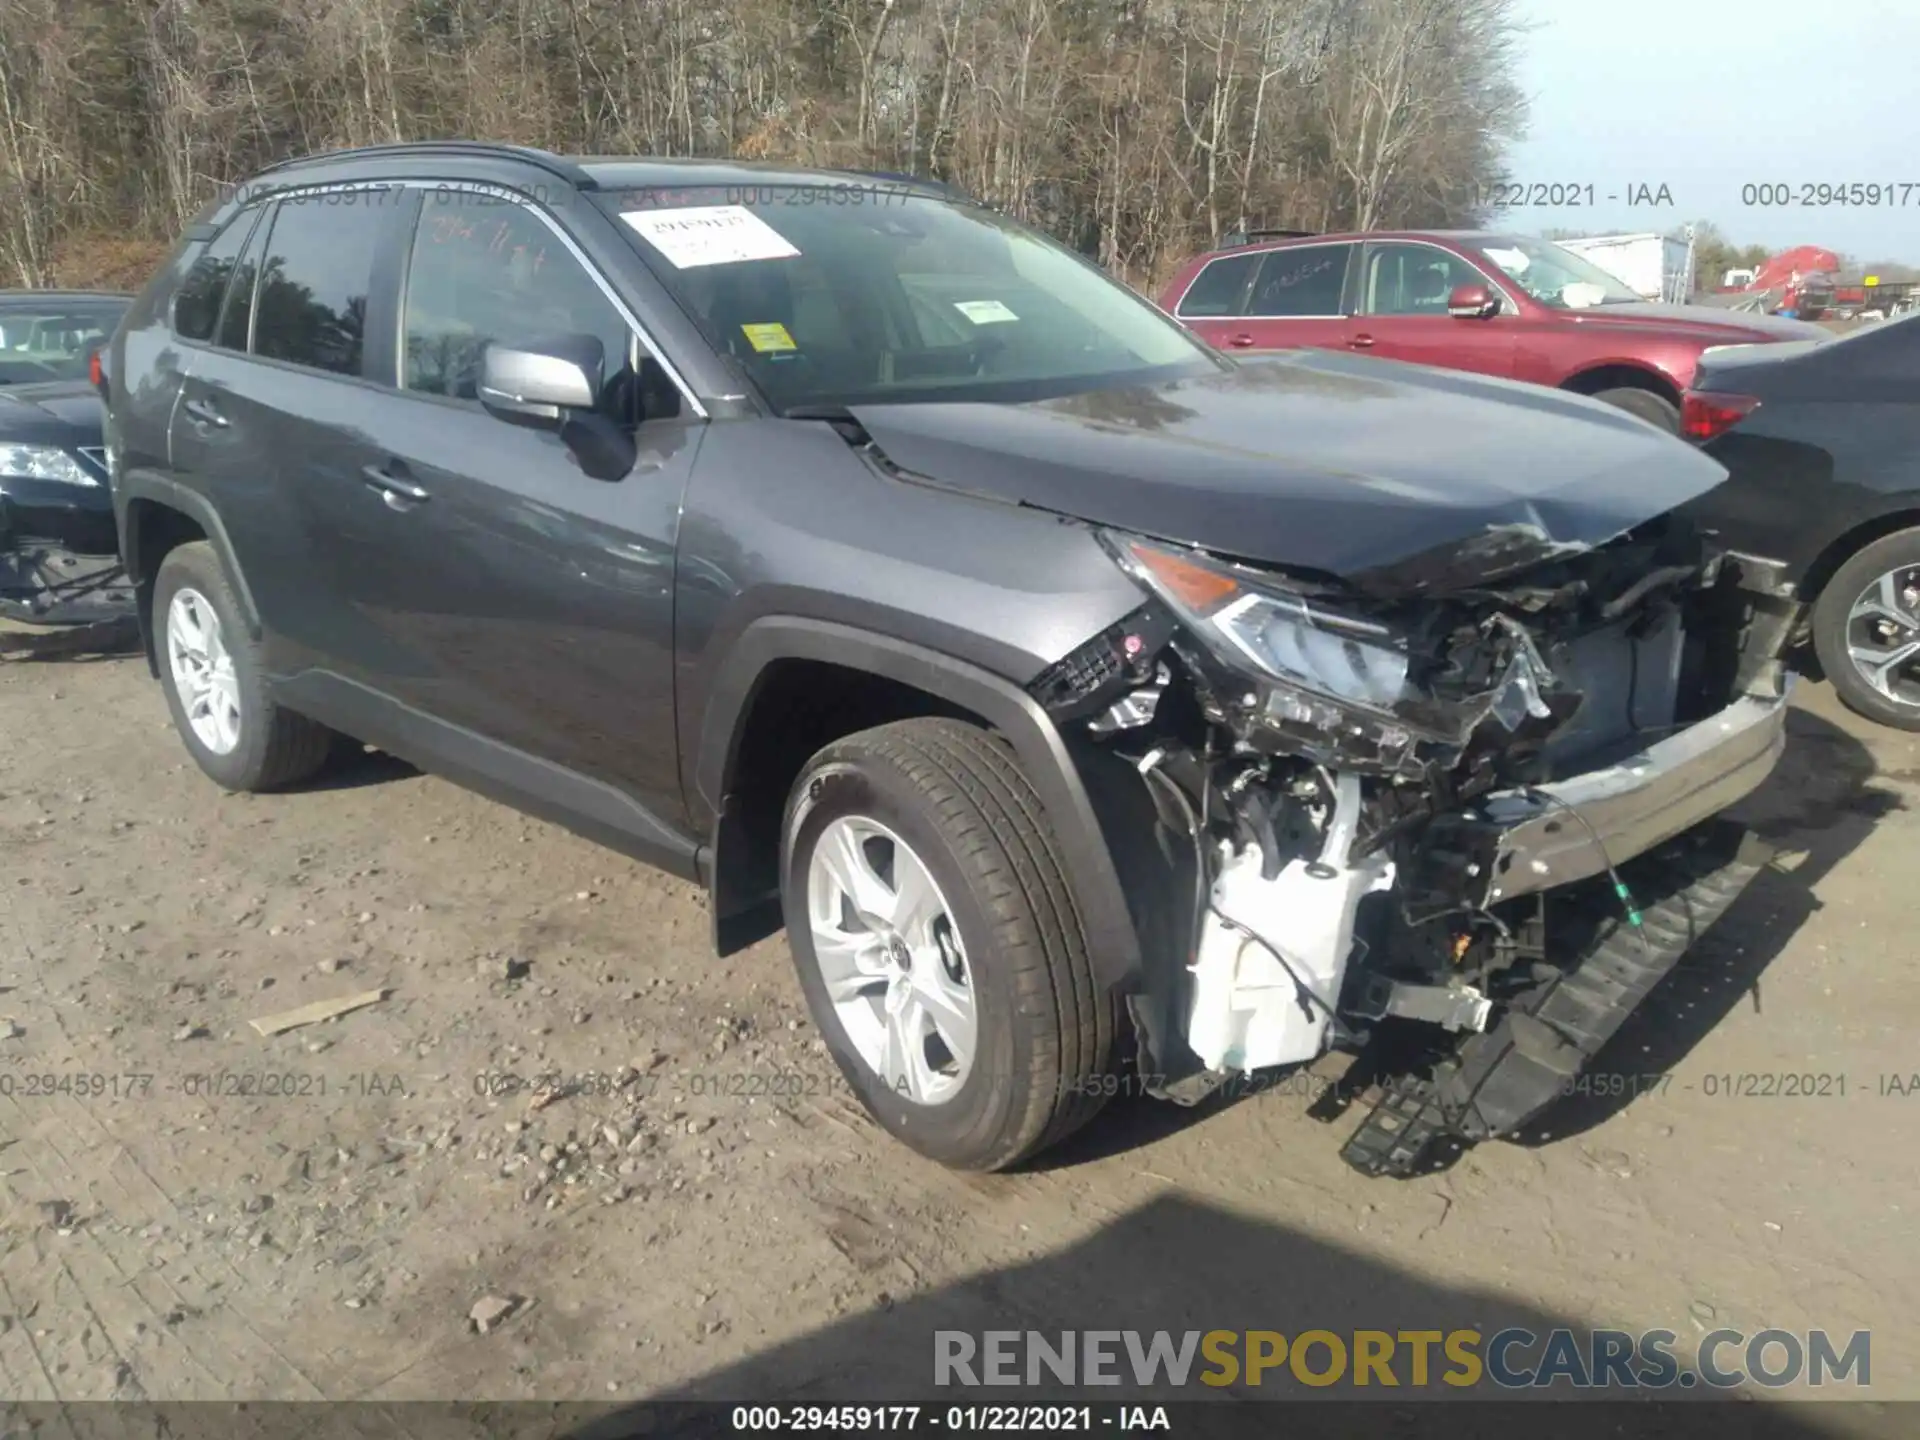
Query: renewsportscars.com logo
x,y
1511,1359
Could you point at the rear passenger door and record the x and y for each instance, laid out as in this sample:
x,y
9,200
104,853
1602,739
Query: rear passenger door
x,y
1294,296
268,422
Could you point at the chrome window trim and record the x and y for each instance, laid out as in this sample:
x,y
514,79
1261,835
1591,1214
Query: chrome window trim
x,y
503,192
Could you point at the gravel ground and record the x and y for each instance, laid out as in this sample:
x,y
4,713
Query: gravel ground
x,y
698,1207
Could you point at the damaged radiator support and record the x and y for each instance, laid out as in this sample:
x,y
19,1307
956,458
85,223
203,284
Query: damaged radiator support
x,y
1495,1082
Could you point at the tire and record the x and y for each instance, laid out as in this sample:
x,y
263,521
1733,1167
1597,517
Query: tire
x,y
1655,409
270,747
1044,1032
1887,556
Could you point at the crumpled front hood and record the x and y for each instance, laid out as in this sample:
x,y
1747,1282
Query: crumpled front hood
x,y
1397,479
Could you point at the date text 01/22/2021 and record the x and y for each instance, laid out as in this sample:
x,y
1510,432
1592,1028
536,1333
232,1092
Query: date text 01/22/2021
x,y
962,1419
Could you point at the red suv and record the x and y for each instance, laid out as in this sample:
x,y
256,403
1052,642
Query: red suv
x,y
1504,305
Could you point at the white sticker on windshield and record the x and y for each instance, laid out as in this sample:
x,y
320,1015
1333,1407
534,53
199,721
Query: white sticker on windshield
x,y
709,235
1514,262
985,312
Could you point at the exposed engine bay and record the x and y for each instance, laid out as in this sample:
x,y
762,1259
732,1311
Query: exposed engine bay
x,y
1413,812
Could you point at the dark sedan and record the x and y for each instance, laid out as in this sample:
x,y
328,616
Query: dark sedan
x,y
58,554
1827,437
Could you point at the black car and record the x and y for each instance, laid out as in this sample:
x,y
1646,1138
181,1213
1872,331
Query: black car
x,y
1099,712
59,553
1824,438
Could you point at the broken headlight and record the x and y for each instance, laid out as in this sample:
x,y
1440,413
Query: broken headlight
x,y
1263,629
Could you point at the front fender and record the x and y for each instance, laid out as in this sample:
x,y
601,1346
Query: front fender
x,y
1043,753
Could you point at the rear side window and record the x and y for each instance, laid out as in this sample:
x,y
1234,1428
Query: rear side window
x,y
196,309
311,301
1305,280
238,311
1220,288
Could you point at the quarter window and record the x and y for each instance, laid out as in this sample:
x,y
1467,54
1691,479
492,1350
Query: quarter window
x,y
1300,281
485,270
196,309
311,303
1220,288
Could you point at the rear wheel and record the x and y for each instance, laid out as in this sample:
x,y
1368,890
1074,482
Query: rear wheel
x,y
1655,409
938,945
215,685
1866,631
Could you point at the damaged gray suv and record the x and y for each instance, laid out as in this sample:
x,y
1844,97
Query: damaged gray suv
x,y
1098,713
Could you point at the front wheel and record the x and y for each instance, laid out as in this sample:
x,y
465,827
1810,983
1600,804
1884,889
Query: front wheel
x,y
938,944
1866,631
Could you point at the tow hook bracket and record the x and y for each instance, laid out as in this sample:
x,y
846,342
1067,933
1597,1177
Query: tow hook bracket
x,y
1452,1007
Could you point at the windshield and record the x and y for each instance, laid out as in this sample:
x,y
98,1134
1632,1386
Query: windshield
x,y
1556,276
865,294
52,340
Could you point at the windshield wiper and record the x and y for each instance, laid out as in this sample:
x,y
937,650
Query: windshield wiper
x,y
839,417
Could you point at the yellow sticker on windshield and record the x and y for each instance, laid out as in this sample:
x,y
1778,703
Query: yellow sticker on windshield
x,y
769,337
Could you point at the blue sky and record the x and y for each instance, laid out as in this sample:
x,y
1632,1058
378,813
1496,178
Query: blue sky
x,y
1706,96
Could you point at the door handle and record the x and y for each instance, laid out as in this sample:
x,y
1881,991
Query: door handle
x,y
206,412
1361,342
399,492
1240,342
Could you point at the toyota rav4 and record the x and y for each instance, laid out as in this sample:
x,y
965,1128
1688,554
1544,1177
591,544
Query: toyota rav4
x,y
1098,712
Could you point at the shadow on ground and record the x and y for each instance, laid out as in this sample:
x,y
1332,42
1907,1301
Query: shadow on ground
x,y
1178,1266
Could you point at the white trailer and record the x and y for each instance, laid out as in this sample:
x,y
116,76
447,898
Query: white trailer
x,y
1653,266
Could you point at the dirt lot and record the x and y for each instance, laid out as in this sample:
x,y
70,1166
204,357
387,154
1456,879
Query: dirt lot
x,y
727,1220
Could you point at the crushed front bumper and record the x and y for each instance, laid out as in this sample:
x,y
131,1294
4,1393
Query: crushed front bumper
x,y
1514,843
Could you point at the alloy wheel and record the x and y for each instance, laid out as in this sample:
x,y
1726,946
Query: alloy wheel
x,y
1883,635
203,673
890,958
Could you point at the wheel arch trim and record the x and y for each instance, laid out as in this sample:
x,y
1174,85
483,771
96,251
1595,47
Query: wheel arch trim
x,y
145,485
1040,747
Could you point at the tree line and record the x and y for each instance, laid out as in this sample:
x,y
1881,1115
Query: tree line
x,y
1136,130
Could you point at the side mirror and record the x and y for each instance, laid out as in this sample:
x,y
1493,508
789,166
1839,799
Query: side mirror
x,y
539,384
1473,302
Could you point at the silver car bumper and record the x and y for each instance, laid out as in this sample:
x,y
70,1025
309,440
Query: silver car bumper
x,y
1613,814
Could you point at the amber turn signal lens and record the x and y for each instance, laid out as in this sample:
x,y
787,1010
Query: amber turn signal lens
x,y
1195,586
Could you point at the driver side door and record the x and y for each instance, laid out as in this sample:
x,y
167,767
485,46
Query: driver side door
x,y
531,604
1403,293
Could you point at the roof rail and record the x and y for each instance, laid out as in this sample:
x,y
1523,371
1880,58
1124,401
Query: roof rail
x,y
573,174
901,177
1247,237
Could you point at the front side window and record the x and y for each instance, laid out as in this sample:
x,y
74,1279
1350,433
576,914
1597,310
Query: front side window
x,y
869,294
1414,280
1556,276
491,270
311,300
1305,281
196,309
